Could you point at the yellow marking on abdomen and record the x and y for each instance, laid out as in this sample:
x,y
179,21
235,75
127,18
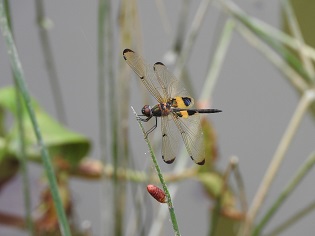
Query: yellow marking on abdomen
x,y
181,104
184,114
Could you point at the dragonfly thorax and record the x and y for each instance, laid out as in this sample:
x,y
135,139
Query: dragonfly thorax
x,y
161,109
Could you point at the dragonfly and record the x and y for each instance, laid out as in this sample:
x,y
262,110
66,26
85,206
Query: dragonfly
x,y
174,107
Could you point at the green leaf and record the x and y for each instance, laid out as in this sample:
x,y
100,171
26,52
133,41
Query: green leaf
x,y
60,141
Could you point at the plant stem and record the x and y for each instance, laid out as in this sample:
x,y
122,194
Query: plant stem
x,y
217,61
19,79
23,159
191,38
277,34
49,60
240,184
218,201
22,151
294,78
296,32
292,220
300,174
159,172
102,117
274,166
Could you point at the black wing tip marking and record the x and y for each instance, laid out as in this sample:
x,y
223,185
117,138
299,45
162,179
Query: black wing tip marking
x,y
158,63
200,162
169,161
126,51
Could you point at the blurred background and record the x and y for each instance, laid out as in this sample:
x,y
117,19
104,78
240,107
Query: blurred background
x,y
255,93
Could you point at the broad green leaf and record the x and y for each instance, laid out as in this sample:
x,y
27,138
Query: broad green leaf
x,y
60,141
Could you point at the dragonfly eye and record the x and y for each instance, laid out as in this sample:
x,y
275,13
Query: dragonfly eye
x,y
146,110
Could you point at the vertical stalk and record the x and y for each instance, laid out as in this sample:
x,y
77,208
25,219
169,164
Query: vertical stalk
x,y
191,37
19,79
296,32
218,201
21,151
101,109
106,74
293,219
23,160
218,59
274,166
49,60
293,183
161,178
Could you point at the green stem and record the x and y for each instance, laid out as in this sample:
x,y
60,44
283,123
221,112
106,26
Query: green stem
x,y
300,174
160,175
102,112
217,61
296,32
22,151
189,43
49,60
285,53
101,79
23,160
182,25
293,77
292,220
276,162
19,79
277,34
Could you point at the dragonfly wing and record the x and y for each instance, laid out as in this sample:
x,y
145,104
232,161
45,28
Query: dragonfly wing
x,y
191,132
145,72
170,85
170,137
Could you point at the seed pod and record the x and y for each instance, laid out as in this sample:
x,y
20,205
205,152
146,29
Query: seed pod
x,y
157,193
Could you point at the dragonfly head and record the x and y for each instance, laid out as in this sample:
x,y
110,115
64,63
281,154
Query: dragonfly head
x,y
146,110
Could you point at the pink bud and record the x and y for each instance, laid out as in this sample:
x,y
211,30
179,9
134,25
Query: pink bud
x,y
157,193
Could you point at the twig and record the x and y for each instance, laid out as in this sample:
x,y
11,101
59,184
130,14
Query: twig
x,y
217,209
272,170
295,79
292,220
293,183
240,184
19,79
295,29
195,28
217,61
161,178
49,60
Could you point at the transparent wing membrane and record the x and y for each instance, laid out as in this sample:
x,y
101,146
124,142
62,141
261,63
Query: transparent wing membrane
x,y
170,138
171,85
191,132
145,72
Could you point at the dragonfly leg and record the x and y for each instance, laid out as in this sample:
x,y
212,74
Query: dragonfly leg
x,y
144,119
152,128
